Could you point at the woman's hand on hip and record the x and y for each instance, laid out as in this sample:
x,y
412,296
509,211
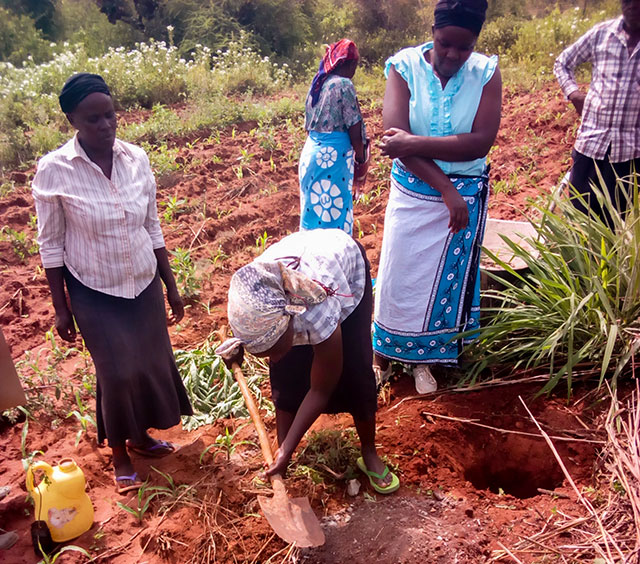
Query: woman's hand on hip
x,y
458,211
397,143
176,304
65,325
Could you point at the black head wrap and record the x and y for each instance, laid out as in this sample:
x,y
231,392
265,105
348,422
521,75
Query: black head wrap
x,y
469,14
78,87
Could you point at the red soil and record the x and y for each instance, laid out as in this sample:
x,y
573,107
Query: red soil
x,y
451,506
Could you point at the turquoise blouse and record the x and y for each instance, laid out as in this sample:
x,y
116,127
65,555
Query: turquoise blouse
x,y
438,112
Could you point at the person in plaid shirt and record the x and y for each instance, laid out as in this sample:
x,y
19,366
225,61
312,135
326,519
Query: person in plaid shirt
x,y
608,140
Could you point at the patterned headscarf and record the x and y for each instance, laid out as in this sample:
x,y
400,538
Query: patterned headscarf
x,y
262,297
336,53
78,87
469,14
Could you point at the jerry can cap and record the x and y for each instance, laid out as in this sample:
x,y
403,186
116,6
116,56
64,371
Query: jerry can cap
x,y
67,465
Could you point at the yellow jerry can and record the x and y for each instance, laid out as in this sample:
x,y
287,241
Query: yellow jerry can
x,y
60,499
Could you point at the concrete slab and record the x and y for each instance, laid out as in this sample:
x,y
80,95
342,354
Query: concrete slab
x,y
516,231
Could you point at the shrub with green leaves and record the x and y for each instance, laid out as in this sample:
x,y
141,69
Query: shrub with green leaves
x,y
577,307
212,389
150,75
529,47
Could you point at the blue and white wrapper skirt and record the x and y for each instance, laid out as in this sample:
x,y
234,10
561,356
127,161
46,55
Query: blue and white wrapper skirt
x,y
326,180
428,283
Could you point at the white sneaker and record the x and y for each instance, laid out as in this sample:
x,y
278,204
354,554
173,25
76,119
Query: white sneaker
x,y
425,382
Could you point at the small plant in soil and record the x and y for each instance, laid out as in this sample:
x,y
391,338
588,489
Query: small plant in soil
x,y
172,492
219,257
245,157
225,443
185,272
82,416
173,207
22,244
330,453
238,171
162,158
143,499
359,229
46,559
6,188
27,456
261,242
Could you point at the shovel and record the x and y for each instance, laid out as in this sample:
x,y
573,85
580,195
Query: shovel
x,y
293,520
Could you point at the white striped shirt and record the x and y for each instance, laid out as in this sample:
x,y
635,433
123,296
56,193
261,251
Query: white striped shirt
x,y
611,114
103,230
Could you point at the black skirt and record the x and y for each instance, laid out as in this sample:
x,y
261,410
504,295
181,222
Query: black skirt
x,y
138,384
356,390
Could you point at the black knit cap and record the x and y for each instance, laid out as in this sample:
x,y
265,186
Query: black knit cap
x,y
469,14
78,87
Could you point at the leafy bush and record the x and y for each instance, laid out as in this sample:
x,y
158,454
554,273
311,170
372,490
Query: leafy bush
x,y
79,22
499,36
578,305
212,389
236,70
20,40
532,46
150,75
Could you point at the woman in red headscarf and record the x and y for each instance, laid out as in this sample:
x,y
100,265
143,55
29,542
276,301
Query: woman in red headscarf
x,y
337,142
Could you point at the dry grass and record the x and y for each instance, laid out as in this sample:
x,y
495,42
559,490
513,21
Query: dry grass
x,y
608,531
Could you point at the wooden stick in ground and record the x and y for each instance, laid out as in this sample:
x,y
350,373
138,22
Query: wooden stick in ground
x,y
511,431
515,558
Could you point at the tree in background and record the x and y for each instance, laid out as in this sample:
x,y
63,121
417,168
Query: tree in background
x,y
20,39
289,29
41,12
381,28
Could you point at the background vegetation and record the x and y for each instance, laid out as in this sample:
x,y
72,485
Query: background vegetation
x,y
217,55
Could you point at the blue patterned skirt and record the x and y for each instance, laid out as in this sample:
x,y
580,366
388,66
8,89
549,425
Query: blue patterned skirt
x,y
326,180
428,284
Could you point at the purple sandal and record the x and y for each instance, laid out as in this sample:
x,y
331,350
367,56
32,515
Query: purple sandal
x,y
157,450
122,489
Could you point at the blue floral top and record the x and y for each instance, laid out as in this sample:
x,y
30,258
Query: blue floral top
x,y
437,112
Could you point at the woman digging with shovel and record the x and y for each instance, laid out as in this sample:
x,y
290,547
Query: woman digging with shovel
x,y
306,303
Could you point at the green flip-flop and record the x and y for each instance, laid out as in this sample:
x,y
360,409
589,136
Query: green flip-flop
x,y
392,487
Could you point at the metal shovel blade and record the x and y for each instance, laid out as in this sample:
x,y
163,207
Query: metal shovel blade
x,y
293,520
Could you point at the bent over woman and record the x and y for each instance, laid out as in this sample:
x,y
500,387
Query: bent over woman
x,y
336,146
306,304
441,113
99,233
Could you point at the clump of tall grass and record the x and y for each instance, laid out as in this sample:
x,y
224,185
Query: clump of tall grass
x,y
578,304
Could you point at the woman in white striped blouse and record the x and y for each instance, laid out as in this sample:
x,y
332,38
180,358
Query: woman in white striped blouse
x,y
99,233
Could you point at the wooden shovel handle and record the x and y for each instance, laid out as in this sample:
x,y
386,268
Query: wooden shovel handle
x,y
265,444
277,482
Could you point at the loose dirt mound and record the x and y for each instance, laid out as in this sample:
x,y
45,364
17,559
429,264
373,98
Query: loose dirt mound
x,y
465,487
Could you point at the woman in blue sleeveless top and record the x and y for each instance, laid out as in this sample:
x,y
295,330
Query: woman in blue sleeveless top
x,y
441,114
336,145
